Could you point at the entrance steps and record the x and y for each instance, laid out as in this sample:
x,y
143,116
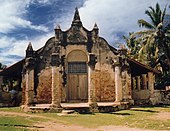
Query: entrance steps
x,y
65,112
82,108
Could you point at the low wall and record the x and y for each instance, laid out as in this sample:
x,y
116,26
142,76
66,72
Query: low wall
x,y
6,101
165,97
142,97
140,94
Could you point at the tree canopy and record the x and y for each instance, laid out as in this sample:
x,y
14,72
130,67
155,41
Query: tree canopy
x,y
152,45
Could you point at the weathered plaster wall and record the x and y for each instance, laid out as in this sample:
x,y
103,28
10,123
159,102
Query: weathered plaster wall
x,y
104,72
105,83
44,86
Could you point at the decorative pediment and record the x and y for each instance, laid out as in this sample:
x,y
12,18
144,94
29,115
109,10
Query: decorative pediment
x,y
76,35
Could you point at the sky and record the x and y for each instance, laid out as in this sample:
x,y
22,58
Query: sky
x,y
24,21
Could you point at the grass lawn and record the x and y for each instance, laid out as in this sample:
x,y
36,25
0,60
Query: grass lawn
x,y
18,123
156,118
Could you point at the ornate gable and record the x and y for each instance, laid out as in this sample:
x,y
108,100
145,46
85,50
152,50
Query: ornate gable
x,y
77,33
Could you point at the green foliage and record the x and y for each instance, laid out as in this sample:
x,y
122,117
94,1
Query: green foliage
x,y
133,45
2,66
156,15
152,46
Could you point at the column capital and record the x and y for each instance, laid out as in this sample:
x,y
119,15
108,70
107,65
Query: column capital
x,y
92,60
29,63
116,61
55,59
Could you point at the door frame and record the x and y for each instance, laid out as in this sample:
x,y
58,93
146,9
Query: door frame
x,y
83,73
76,56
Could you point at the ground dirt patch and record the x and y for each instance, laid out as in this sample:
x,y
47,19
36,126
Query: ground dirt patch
x,y
162,116
51,126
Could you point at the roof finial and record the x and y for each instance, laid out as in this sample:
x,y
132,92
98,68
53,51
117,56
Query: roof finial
x,y
29,51
95,26
76,19
58,27
29,48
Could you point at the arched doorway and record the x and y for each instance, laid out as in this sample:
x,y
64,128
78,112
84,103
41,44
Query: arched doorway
x,y
77,87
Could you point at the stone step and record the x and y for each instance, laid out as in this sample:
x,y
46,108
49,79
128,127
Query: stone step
x,y
67,111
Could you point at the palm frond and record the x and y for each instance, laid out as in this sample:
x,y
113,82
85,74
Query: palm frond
x,y
163,14
157,8
151,15
152,9
144,32
143,23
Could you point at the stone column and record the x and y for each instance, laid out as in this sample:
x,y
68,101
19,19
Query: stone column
x,y
29,76
91,83
56,92
133,83
118,80
151,84
29,90
144,81
138,82
23,86
126,85
56,83
1,82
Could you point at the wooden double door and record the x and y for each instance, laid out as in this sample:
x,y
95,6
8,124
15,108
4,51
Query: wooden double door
x,y
77,82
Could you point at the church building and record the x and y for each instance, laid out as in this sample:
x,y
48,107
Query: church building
x,y
79,66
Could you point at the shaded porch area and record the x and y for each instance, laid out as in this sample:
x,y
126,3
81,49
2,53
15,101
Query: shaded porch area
x,y
142,82
10,85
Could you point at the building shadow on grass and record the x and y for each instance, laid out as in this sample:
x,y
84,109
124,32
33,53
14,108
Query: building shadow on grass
x,y
151,111
25,126
122,114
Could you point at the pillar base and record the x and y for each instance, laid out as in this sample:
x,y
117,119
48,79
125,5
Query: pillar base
x,y
93,107
25,108
131,101
118,102
55,106
153,101
56,109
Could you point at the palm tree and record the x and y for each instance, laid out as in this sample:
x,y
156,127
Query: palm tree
x,y
154,42
151,39
2,66
156,15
